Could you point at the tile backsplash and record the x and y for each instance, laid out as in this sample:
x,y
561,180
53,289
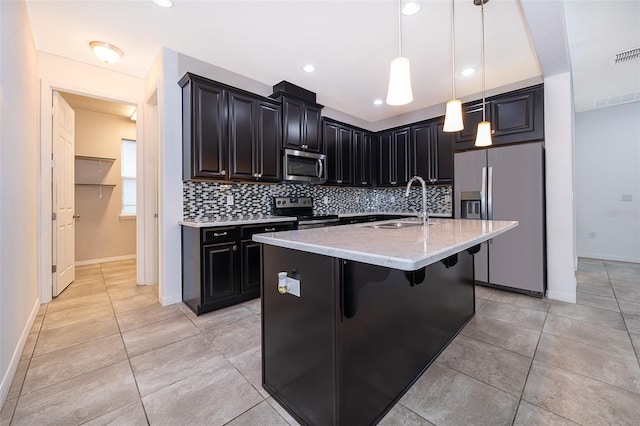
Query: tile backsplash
x,y
209,200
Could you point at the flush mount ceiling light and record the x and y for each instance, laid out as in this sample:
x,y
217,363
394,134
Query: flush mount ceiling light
x,y
410,8
483,136
106,52
309,68
163,3
377,102
467,72
399,92
453,115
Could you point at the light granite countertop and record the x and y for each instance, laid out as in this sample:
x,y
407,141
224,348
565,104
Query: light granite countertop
x,y
234,220
374,213
407,249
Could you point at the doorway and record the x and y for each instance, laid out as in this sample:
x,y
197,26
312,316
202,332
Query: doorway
x,y
105,230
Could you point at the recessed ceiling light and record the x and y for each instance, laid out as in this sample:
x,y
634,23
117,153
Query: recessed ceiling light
x,y
106,52
468,71
410,8
377,102
164,3
309,68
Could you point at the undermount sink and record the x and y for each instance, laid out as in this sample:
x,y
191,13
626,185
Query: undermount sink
x,y
394,225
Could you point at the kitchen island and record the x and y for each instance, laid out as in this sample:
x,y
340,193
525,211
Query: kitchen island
x,y
363,311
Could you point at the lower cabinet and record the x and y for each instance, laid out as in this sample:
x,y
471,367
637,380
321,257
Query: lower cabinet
x,y
221,265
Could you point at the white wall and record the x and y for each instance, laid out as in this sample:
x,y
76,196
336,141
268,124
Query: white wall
x,y
18,186
608,166
67,75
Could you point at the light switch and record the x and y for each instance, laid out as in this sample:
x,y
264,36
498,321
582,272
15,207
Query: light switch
x,y
229,200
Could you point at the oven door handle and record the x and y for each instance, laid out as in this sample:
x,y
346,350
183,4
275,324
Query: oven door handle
x,y
319,168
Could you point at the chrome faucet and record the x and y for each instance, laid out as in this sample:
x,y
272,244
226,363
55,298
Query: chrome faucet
x,y
425,214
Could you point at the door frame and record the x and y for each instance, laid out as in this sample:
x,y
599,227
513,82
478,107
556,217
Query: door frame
x,y
45,205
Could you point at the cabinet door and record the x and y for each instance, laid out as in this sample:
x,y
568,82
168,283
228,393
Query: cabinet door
x,y
442,155
402,146
242,136
251,268
471,116
292,123
421,140
219,282
204,130
330,139
385,159
312,139
345,146
361,158
269,140
518,117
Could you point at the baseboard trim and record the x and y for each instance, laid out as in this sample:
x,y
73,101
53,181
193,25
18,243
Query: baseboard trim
x,y
601,256
105,260
166,301
7,379
561,296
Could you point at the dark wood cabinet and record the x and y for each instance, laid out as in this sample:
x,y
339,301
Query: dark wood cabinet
x,y
515,117
229,134
362,158
338,142
221,266
204,130
300,124
394,157
254,139
433,152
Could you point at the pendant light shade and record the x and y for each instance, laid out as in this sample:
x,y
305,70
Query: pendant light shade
x,y
399,82
453,115
399,92
483,136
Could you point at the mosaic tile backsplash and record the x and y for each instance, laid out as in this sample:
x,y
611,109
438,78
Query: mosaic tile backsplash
x,y
208,200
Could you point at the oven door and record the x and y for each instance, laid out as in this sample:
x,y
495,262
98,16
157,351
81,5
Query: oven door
x,y
307,167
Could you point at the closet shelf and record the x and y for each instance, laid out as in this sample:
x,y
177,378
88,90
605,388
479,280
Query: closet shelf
x,y
90,158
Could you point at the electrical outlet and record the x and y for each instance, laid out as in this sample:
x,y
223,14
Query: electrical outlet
x,y
393,199
447,198
229,200
325,199
592,235
357,199
626,197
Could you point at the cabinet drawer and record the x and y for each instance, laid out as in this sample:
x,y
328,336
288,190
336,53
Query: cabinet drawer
x,y
220,235
248,230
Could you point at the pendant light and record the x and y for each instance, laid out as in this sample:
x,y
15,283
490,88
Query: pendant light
x,y
483,136
453,114
399,92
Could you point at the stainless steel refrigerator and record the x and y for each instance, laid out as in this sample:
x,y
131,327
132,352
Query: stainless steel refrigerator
x,y
506,183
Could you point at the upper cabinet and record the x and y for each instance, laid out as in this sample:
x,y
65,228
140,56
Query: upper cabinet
x,y
229,134
395,157
338,141
362,142
301,124
515,117
433,148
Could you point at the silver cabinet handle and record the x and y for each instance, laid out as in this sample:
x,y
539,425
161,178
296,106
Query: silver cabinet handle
x,y
269,229
235,248
255,175
223,172
364,183
219,234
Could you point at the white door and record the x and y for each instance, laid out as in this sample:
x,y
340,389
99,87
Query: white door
x,y
63,194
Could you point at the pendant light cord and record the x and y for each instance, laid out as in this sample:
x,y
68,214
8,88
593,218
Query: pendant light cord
x,y
453,50
400,27
483,70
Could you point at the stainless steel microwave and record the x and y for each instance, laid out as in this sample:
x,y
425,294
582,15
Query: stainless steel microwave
x,y
304,167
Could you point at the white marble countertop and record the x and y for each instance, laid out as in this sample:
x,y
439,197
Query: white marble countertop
x,y
391,213
406,249
234,220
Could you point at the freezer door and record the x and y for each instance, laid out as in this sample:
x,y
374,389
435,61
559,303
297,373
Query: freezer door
x,y
468,176
516,258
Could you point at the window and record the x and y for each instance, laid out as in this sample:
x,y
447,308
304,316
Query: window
x,y
128,172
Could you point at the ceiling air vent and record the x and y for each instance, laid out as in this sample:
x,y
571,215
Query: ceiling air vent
x,y
626,56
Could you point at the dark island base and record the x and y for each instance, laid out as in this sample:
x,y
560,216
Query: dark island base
x,y
359,336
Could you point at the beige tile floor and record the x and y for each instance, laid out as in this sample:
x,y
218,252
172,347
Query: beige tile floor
x,y
105,352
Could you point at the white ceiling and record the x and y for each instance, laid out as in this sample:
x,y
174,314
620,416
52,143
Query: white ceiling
x,y
351,43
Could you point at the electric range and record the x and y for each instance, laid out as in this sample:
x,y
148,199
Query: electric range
x,y
302,208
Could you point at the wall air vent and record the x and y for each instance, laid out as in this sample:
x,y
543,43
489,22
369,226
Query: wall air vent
x,y
624,98
626,56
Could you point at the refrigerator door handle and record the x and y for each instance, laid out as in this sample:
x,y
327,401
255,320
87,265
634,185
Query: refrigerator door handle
x,y
483,195
490,194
